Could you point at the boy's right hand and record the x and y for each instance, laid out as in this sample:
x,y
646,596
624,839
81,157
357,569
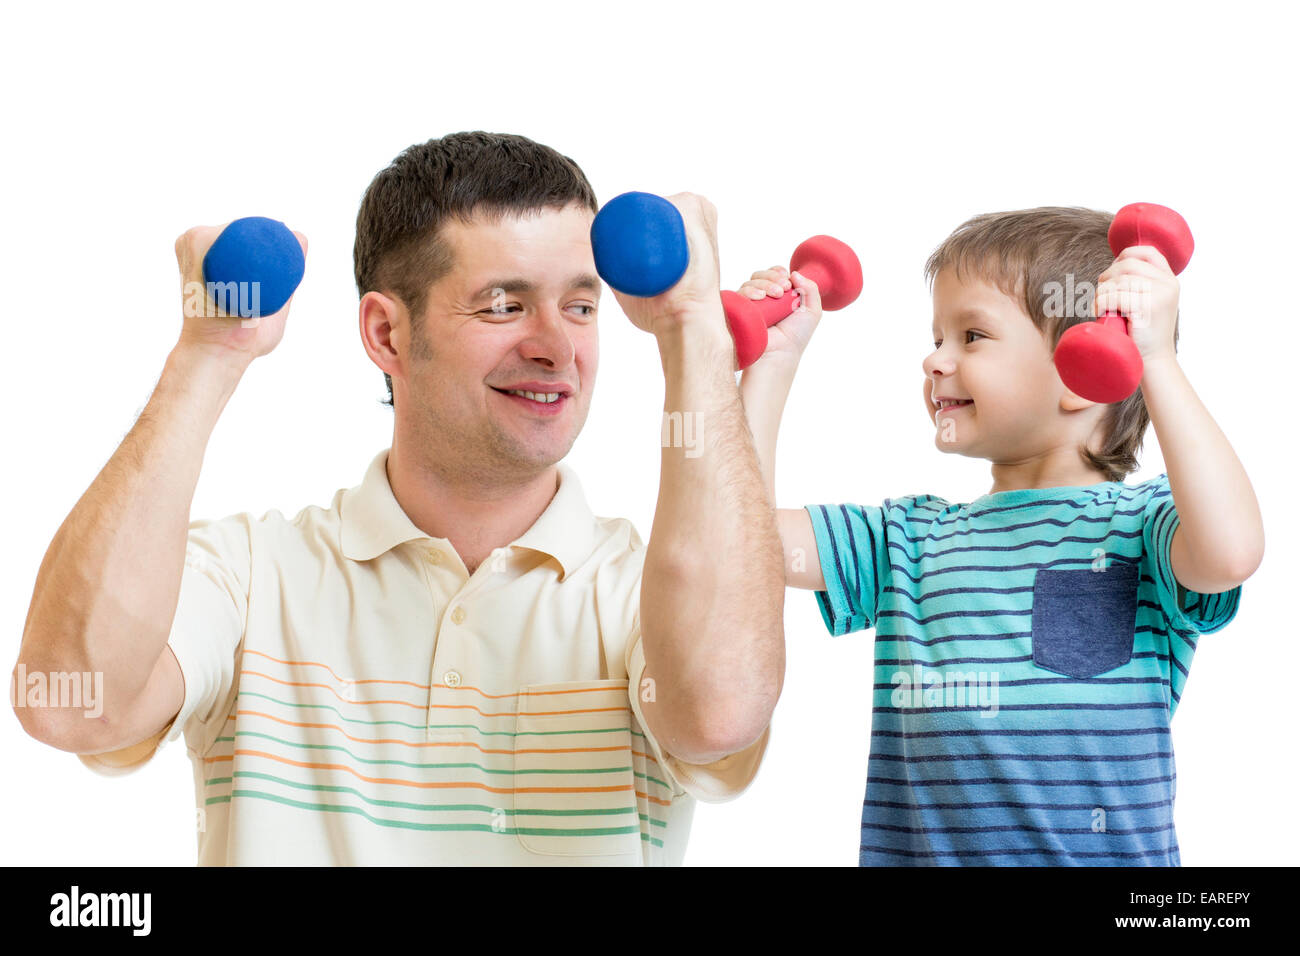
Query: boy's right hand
x,y
788,338
205,327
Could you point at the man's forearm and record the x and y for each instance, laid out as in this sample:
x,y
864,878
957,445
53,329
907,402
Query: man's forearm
x,y
108,587
712,596
1217,508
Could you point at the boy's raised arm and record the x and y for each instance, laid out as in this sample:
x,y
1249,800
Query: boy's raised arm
x,y
764,388
1220,539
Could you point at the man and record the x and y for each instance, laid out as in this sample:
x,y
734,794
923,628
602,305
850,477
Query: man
x,y
456,662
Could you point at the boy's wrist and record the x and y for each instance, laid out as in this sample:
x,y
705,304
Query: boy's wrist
x,y
1155,366
775,369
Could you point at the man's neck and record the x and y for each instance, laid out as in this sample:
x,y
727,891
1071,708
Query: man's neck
x,y
475,515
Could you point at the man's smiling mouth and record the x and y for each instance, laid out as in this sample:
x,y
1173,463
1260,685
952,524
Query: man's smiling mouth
x,y
542,398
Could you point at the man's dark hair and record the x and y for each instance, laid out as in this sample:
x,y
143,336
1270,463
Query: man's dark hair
x,y
399,250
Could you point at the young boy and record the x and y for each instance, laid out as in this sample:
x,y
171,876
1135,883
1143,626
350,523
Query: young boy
x,y
1031,645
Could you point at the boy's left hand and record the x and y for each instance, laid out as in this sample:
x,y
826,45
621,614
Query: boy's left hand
x,y
1140,285
787,339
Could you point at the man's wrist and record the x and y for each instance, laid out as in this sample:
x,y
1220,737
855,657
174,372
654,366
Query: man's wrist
x,y
215,367
694,336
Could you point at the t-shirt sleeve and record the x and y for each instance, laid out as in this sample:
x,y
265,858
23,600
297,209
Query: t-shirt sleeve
x,y
716,782
1185,610
853,551
205,635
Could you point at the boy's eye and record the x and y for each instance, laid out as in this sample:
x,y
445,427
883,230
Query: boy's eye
x,y
939,342
590,310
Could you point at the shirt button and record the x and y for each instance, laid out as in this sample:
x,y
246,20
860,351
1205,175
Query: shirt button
x,y
434,556
451,678
458,615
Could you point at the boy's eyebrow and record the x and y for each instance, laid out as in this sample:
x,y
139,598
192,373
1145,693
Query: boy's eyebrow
x,y
971,313
585,280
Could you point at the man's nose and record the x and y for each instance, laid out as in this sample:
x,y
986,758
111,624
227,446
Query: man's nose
x,y
548,339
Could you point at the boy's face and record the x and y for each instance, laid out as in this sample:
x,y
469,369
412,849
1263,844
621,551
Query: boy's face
x,y
987,350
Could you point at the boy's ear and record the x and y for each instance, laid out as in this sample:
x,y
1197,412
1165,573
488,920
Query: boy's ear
x,y
1071,402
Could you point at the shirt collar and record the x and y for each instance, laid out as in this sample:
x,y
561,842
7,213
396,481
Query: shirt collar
x,y
374,523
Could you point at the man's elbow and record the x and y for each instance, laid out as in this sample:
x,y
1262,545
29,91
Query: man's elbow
x,y
722,726
45,725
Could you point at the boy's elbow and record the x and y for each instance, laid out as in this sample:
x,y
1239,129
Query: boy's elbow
x,y
1245,567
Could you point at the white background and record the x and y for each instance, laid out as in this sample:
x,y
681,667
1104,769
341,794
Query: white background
x,y
126,124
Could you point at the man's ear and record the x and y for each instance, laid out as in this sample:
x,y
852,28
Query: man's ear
x,y
383,330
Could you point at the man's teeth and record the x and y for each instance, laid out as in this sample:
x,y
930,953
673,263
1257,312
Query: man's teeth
x,y
546,397
947,404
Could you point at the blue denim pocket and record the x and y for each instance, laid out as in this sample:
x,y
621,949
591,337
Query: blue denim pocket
x,y
1083,621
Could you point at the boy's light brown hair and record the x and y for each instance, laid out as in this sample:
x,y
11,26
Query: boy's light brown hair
x,y
1021,253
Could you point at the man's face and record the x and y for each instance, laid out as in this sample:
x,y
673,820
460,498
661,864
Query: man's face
x,y
989,352
517,312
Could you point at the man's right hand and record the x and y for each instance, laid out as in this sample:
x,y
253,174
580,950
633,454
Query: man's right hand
x,y
206,328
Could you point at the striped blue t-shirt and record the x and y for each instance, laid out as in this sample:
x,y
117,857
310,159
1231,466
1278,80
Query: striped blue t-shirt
x,y
1031,647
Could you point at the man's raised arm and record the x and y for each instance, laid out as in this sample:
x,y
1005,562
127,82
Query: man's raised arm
x,y
108,588
713,586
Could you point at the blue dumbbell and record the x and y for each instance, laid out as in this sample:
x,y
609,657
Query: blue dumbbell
x,y
639,243
264,255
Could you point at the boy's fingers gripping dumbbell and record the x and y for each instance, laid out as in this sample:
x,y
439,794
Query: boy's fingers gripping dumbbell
x,y
810,297
765,282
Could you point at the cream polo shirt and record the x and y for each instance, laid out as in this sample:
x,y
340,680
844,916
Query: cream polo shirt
x,y
354,697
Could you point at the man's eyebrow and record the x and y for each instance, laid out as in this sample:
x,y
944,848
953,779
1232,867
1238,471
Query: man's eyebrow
x,y
585,280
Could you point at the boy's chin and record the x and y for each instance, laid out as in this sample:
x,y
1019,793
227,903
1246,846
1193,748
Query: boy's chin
x,y
952,447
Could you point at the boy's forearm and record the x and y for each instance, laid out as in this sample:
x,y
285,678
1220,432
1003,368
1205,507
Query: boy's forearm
x,y
764,388
1217,508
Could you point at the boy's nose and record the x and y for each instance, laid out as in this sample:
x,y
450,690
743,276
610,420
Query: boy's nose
x,y
936,364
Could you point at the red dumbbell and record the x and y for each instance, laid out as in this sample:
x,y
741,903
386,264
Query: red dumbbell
x,y
826,261
1098,360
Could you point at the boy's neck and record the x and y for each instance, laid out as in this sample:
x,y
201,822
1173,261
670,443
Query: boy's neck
x,y
1048,471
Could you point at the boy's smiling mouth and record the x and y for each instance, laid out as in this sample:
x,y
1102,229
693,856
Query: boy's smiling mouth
x,y
944,404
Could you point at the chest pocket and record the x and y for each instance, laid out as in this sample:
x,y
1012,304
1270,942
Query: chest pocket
x,y
575,792
1083,620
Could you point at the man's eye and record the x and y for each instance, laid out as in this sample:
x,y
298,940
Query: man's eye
x,y
500,309
591,310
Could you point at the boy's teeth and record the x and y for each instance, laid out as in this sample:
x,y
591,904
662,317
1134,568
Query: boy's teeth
x,y
545,397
